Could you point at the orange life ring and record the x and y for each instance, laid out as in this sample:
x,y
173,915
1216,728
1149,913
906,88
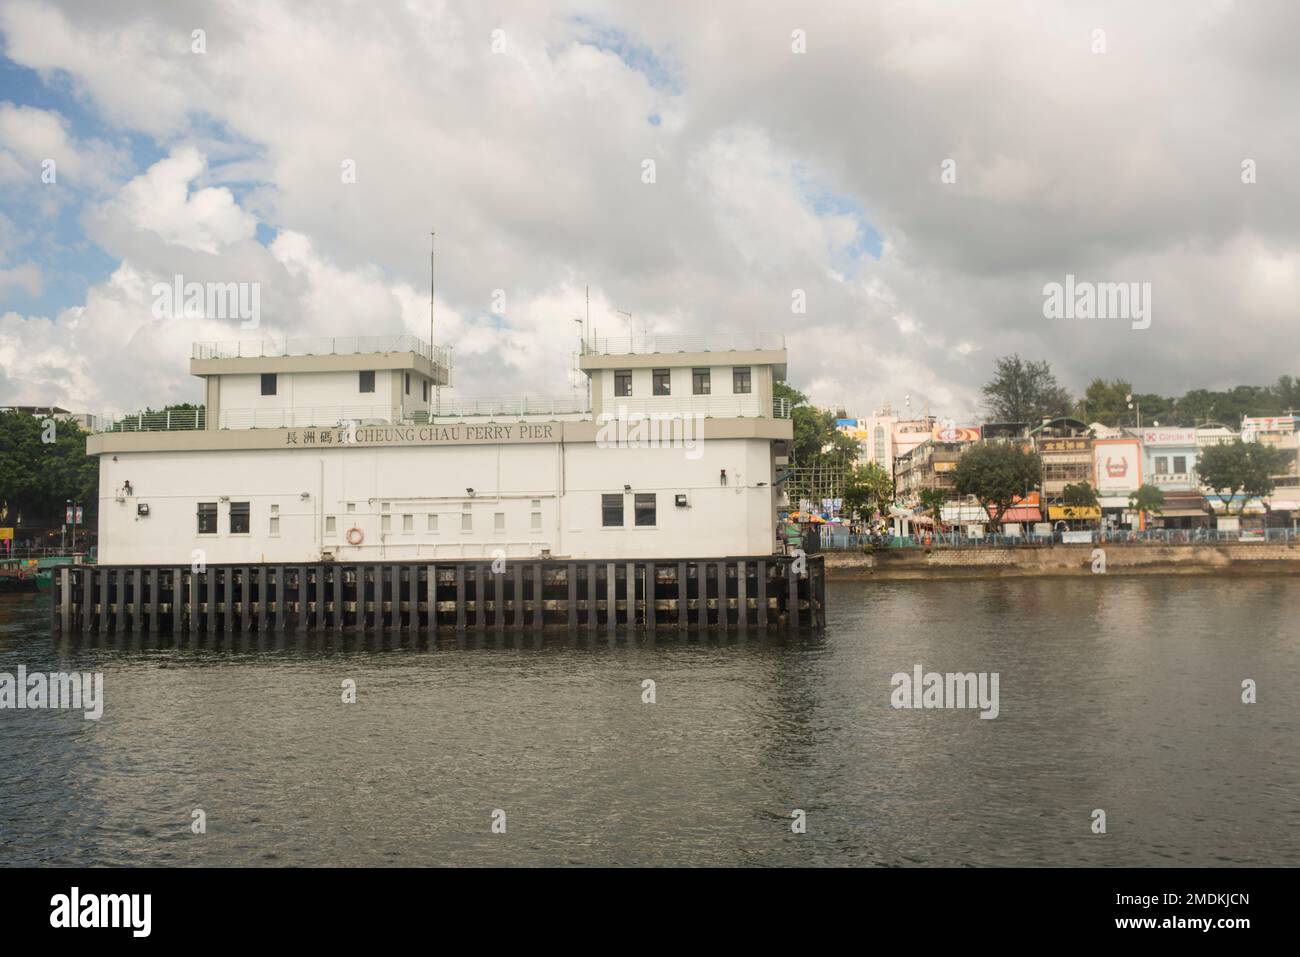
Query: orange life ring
x,y
356,536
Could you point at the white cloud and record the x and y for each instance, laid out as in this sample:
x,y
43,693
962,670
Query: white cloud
x,y
25,276
1123,166
161,201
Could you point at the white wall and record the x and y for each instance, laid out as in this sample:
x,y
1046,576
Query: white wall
x,y
566,481
316,390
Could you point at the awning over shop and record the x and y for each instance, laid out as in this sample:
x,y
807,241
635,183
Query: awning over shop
x,y
1065,513
1183,505
1113,501
1253,507
1021,515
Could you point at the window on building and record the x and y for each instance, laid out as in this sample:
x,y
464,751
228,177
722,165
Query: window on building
x,y
644,504
611,510
385,523
662,382
274,523
424,389
207,518
880,443
622,382
239,516
699,381
498,521
367,383
1180,464
433,523
741,382
537,515
1162,465
268,383
408,523
330,524
467,521
407,377
352,506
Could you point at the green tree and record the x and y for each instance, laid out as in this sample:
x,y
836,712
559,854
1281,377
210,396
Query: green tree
x,y
1025,391
816,440
869,489
1079,495
997,475
43,464
1148,499
1105,401
1239,468
932,501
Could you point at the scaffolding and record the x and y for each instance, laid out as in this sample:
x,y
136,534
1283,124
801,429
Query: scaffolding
x,y
815,483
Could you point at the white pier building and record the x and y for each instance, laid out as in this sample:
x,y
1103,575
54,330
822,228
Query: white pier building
x,y
346,450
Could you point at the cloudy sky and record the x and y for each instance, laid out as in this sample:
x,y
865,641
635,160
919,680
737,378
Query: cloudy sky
x,y
794,147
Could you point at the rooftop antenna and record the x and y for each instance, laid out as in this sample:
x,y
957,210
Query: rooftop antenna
x,y
437,396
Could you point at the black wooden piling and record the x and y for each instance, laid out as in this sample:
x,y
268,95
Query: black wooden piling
x,y
783,592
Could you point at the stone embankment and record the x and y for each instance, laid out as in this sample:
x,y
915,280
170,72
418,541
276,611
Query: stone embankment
x,y
1251,558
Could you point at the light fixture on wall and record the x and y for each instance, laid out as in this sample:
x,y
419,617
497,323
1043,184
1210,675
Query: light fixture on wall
x,y
304,495
469,492
627,488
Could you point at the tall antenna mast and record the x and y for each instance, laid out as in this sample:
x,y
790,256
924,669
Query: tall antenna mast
x,y
433,276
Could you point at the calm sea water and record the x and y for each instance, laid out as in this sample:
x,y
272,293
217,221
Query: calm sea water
x,y
1119,694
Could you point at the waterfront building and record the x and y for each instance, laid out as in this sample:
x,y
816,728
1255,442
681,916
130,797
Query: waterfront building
x,y
1064,446
348,450
1169,462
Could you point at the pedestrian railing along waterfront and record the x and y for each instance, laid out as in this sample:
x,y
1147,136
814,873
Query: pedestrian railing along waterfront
x,y
831,541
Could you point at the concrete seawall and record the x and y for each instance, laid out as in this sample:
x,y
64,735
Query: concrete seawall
x,y
1058,560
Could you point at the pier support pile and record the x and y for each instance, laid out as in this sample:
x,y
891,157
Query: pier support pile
x,y
724,594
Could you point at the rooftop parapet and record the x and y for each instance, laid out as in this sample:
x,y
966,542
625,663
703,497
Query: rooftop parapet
x,y
332,346
652,345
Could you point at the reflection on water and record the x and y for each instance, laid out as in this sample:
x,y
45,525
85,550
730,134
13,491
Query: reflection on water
x,y
1121,694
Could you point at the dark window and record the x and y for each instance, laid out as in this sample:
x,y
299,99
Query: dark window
x,y
645,508
238,518
611,511
268,383
408,383
662,381
740,381
368,381
700,381
622,382
1180,464
424,389
207,518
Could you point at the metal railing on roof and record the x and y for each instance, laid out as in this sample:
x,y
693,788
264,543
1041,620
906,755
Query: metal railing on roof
x,y
447,409
649,345
321,346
